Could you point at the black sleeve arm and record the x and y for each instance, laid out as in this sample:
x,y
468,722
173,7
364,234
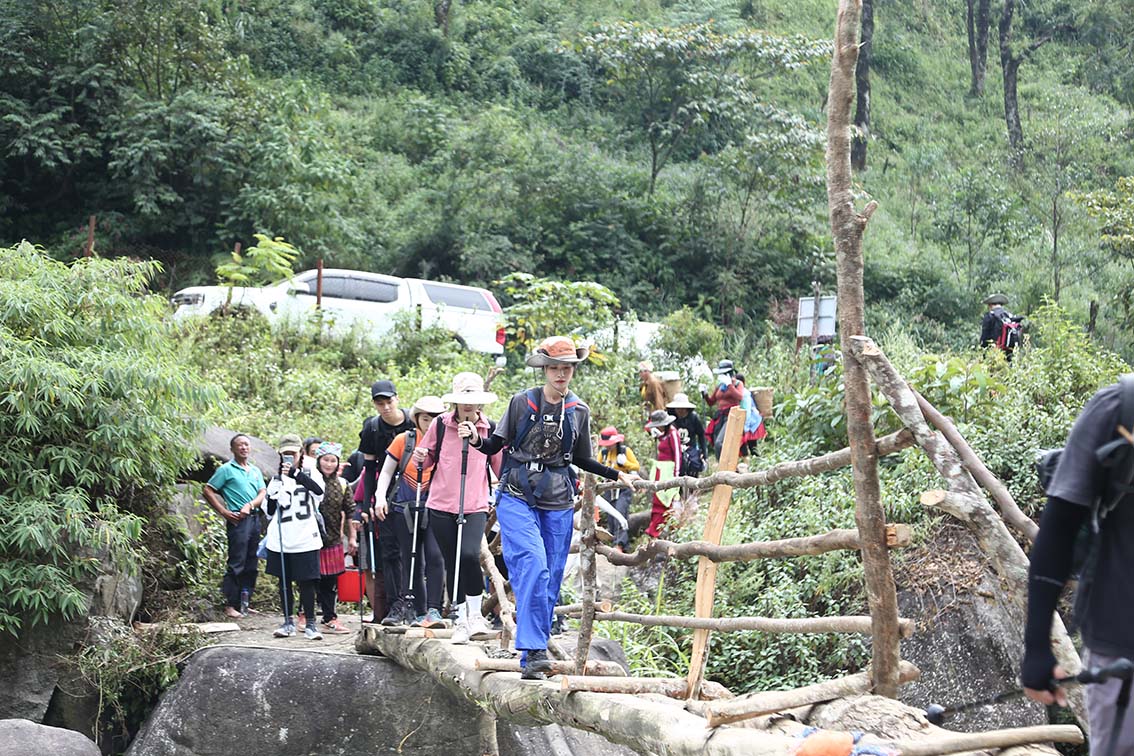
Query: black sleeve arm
x,y
987,329
598,468
307,482
270,504
369,482
491,445
1050,567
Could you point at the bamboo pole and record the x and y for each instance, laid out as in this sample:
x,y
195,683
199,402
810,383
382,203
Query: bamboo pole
x,y
670,687
500,591
601,605
706,568
980,472
768,702
886,445
598,667
847,228
587,571
982,741
897,536
849,624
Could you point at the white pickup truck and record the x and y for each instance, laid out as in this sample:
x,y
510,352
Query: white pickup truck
x,y
351,296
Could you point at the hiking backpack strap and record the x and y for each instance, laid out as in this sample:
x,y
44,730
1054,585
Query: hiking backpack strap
x,y
1118,455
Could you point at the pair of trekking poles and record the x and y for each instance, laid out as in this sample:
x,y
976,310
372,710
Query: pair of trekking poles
x,y
1120,669
368,532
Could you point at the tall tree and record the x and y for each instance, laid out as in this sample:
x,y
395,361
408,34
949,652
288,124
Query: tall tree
x,y
862,87
977,18
1042,23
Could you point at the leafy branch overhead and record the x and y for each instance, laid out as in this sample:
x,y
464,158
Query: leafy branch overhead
x,y
542,307
672,82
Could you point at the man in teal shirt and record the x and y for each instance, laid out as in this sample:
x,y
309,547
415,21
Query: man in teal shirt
x,y
236,492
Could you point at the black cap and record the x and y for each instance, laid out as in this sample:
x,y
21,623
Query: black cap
x,y
384,389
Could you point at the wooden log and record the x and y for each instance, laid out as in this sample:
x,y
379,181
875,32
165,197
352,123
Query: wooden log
x,y
500,592
851,624
886,445
963,742
768,702
965,501
1011,512
706,568
847,228
897,536
645,724
486,733
671,687
588,572
594,667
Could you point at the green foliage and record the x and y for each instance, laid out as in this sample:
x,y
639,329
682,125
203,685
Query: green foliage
x,y
542,307
1114,209
684,335
958,387
96,408
269,261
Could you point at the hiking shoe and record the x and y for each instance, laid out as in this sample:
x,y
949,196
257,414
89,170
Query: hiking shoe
x,y
336,626
432,618
557,625
479,629
537,666
312,633
401,613
460,633
286,630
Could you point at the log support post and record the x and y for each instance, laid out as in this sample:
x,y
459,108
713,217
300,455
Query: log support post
x,y
587,570
500,591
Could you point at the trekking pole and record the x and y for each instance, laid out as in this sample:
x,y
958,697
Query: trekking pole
x,y
460,519
1121,669
358,569
285,589
413,538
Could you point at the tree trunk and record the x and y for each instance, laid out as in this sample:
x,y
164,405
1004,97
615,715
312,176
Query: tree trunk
x,y
862,88
977,21
847,227
1010,65
1056,223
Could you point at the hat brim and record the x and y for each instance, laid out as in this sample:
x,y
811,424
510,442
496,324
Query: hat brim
x,y
289,448
470,397
724,371
612,440
661,423
539,359
996,300
676,405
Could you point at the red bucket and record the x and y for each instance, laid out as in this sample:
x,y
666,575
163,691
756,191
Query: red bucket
x,y
348,586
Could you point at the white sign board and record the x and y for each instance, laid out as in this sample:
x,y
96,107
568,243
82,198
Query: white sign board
x,y
806,316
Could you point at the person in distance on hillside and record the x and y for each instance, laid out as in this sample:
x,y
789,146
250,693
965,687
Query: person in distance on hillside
x,y
442,449
668,465
1079,488
651,389
690,429
545,430
236,492
376,434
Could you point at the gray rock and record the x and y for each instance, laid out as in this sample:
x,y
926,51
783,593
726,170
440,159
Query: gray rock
x,y
271,702
967,644
214,452
19,737
31,666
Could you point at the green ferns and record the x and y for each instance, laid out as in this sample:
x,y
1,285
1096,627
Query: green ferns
x,y
93,407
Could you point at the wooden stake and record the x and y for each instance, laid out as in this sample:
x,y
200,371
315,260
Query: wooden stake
x,y
768,702
587,571
667,686
707,568
984,741
500,592
847,228
319,284
88,251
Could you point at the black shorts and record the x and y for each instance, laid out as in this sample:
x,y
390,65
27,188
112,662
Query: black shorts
x,y
301,566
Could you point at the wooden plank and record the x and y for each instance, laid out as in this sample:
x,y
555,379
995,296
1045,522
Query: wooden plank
x,y
853,624
594,667
671,687
707,568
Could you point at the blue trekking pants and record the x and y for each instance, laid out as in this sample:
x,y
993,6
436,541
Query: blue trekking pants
x,y
536,543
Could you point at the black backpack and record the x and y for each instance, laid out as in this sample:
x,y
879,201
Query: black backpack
x,y
1117,457
1010,329
692,461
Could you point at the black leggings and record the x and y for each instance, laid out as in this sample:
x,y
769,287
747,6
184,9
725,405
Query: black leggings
x,y
306,599
328,595
429,567
443,525
389,557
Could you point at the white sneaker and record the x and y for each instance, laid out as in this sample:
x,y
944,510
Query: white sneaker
x,y
479,629
460,632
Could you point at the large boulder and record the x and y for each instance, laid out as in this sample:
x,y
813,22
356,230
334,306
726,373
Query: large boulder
x,y
19,737
214,451
32,664
273,702
968,641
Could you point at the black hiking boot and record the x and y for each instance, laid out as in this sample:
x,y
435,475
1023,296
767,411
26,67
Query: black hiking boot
x,y
401,613
538,665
